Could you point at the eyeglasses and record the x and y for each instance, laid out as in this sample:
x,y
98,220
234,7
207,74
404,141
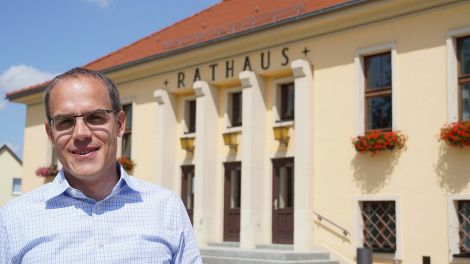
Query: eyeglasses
x,y
91,119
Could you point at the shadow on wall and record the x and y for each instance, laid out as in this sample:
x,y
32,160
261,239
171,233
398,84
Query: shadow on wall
x,y
371,173
453,168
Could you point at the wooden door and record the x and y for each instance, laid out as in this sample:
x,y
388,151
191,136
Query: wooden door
x,y
187,189
283,201
232,201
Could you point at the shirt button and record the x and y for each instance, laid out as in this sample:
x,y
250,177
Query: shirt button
x,y
101,244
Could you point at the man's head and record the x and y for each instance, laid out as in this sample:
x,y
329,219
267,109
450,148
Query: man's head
x,y
84,119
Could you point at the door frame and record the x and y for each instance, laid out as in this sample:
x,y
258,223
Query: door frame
x,y
227,235
276,236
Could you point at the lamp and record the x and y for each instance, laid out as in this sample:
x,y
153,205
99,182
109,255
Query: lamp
x,y
187,143
281,134
230,139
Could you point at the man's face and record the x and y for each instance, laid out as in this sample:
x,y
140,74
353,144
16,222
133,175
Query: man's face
x,y
86,152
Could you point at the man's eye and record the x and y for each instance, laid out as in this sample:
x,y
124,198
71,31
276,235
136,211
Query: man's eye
x,y
96,118
64,123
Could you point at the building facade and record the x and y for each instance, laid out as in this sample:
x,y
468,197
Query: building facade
x,y
253,126
10,180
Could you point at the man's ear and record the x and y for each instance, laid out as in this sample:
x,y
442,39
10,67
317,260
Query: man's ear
x,y
121,122
49,131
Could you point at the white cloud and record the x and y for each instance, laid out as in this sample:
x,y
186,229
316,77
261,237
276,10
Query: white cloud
x,y
101,3
20,76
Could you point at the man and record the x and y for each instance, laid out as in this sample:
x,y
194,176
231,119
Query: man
x,y
93,212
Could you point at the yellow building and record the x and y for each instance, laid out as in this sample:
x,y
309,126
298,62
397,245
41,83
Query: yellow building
x,y
266,97
10,179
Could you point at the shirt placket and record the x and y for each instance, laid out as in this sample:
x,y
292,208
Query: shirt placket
x,y
100,231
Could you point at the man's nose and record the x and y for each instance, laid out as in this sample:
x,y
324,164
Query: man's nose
x,y
81,131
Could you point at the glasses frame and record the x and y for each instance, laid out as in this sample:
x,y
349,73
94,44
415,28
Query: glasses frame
x,y
53,119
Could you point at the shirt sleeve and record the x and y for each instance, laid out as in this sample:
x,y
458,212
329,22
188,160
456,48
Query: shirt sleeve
x,y
188,251
4,242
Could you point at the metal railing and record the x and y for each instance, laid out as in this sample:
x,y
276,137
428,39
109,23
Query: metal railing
x,y
320,218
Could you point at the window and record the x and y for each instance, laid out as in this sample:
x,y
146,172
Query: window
x,y
236,107
378,91
127,136
190,116
463,213
16,186
379,226
287,101
463,58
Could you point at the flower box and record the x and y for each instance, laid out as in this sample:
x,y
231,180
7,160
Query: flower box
x,y
49,171
126,163
456,134
376,140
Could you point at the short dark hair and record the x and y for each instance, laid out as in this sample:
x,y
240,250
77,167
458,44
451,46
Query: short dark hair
x,y
82,72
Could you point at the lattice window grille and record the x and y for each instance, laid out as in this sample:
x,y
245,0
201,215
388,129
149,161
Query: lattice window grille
x,y
464,226
379,226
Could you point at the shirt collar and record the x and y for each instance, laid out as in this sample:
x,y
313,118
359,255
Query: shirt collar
x,y
60,184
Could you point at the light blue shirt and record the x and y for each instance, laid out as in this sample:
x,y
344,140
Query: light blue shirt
x,y
137,223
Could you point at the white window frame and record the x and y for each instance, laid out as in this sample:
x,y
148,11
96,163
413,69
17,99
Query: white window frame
x,y
126,101
13,184
360,83
228,109
185,116
452,72
276,101
453,224
398,255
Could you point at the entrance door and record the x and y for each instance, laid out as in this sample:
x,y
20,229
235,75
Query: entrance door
x,y
232,201
283,201
187,189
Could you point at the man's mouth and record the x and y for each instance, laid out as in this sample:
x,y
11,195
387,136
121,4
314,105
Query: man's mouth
x,y
84,151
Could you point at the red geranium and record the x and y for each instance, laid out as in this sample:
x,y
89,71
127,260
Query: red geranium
x,y
47,171
377,140
456,134
126,163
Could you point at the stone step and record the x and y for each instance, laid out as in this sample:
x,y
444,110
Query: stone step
x,y
276,246
225,244
263,254
231,260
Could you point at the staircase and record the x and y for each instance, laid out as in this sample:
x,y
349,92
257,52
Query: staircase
x,y
230,253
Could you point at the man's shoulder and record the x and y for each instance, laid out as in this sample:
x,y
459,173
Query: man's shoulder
x,y
26,201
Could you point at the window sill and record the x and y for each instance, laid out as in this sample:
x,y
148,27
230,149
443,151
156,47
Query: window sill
x,y
385,256
17,193
233,129
282,123
189,134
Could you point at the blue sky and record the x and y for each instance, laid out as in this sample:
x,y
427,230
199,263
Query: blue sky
x,y
41,38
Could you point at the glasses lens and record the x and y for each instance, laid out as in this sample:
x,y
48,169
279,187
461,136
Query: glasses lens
x,y
96,118
62,123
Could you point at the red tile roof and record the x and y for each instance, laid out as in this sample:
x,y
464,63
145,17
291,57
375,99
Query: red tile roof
x,y
223,19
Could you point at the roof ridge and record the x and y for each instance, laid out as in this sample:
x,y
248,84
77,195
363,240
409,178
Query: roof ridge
x,y
7,148
155,33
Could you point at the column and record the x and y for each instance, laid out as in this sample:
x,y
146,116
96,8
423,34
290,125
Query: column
x,y
166,139
303,166
253,201
206,222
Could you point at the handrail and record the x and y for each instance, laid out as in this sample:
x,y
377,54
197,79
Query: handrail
x,y
320,218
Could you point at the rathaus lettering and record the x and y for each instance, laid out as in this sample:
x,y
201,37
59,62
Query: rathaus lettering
x,y
229,66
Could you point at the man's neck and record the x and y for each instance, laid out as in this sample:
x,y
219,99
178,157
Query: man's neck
x,y
96,187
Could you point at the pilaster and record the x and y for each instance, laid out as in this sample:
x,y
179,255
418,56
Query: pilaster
x,y
206,223
253,199
303,165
